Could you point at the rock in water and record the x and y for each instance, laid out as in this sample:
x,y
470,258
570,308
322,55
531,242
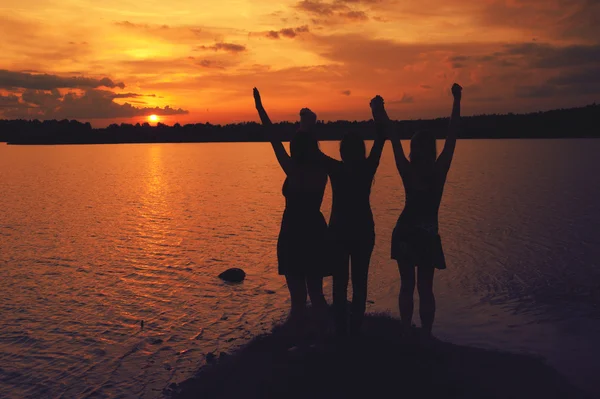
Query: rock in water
x,y
233,275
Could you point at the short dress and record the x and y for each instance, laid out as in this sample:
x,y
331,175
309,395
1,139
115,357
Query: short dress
x,y
302,249
415,239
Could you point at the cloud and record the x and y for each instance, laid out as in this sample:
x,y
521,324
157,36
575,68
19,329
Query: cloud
x,y
354,15
10,80
10,101
427,87
334,12
319,8
287,32
346,92
38,96
211,64
556,19
531,91
228,47
131,95
549,56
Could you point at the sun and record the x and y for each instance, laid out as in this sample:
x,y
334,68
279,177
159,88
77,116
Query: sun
x,y
153,118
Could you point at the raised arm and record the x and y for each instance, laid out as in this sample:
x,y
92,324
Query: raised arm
x,y
381,118
282,156
445,159
377,149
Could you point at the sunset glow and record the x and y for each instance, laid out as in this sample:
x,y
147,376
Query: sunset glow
x,y
195,61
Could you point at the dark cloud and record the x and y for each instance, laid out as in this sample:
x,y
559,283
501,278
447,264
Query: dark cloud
x,y
41,98
425,87
458,58
11,80
287,32
354,15
211,64
533,91
131,95
228,47
319,8
555,18
544,55
456,65
367,2
10,101
333,12
97,104
579,77
346,92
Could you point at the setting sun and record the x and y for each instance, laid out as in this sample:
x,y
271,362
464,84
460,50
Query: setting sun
x,y
153,118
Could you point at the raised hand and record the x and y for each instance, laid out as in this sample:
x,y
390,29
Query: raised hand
x,y
257,99
378,109
456,91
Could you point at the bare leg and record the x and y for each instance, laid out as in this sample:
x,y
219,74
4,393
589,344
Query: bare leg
x,y
407,289
297,288
340,287
426,298
361,258
318,302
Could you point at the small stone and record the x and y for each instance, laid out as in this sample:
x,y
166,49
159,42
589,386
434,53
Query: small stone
x,y
233,275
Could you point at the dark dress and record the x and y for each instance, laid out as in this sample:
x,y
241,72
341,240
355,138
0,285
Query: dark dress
x,y
301,247
415,239
351,226
351,234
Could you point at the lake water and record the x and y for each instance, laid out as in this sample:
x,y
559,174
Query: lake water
x,y
95,239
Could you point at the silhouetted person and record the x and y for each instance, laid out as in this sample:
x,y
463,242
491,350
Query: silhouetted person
x,y
351,225
415,240
301,244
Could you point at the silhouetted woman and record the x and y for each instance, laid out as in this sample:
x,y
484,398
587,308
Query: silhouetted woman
x,y
301,243
416,243
351,225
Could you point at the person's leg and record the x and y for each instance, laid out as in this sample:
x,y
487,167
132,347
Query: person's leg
x,y
318,302
297,287
407,289
340,288
426,297
361,258
315,292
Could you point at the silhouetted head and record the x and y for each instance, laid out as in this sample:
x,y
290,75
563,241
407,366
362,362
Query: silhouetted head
x,y
352,148
423,151
308,119
303,147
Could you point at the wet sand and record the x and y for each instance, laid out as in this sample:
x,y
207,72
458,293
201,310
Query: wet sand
x,y
377,364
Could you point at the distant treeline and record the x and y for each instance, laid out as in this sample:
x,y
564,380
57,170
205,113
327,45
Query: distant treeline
x,y
562,123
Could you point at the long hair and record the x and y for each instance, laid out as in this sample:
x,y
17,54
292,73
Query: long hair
x,y
303,147
423,153
352,148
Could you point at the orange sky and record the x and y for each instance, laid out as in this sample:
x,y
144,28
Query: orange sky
x,y
197,61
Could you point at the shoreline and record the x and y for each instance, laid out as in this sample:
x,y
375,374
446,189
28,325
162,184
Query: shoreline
x,y
377,364
285,140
